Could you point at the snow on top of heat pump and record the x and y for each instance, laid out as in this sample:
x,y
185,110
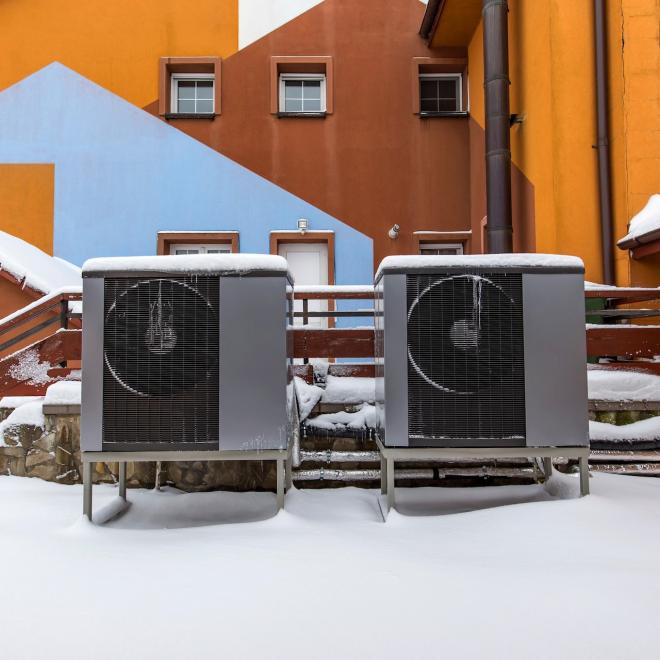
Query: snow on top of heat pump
x,y
428,261
210,264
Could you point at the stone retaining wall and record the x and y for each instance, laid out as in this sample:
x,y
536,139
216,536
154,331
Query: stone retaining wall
x,y
52,453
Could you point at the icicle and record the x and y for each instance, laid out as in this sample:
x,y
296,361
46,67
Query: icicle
x,y
477,286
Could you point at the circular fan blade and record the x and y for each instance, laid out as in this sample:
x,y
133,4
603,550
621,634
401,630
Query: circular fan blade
x,y
158,335
454,326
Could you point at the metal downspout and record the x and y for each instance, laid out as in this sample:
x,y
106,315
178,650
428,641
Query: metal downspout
x,y
603,144
498,142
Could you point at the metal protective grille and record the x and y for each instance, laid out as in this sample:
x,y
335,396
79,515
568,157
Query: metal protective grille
x,y
161,353
466,377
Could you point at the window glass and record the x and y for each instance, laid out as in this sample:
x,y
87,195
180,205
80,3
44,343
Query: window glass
x,y
193,96
441,248
302,95
439,93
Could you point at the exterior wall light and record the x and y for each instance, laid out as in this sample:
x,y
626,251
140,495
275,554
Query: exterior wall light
x,y
303,225
394,232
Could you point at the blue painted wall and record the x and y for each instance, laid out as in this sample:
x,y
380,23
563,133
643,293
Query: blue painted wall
x,y
122,175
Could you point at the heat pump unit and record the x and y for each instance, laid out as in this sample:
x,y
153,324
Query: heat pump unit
x,y
481,351
186,353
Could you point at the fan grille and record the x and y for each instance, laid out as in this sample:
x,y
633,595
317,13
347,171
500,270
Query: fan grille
x,y
160,372
466,377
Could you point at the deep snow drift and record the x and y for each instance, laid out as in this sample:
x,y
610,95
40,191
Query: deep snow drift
x,y
455,574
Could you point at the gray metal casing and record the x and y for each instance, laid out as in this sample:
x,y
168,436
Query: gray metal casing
x,y
556,400
255,366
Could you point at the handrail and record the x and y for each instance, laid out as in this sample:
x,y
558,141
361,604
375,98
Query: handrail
x,y
623,295
44,307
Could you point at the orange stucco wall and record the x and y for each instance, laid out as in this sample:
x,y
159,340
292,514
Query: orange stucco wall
x,y
552,75
116,44
551,71
634,27
26,203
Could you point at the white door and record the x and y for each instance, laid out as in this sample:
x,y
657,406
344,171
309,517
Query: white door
x,y
308,262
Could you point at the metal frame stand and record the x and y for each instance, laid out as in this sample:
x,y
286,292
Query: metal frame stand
x,y
388,456
282,458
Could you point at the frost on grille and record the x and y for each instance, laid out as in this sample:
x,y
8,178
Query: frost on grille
x,y
466,358
161,354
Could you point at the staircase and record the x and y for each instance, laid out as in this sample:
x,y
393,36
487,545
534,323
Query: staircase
x,y
41,344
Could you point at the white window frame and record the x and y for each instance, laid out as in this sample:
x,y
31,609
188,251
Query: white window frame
x,y
174,90
458,77
302,76
442,246
202,247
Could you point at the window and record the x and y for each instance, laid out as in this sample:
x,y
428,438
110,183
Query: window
x,y
210,248
440,93
193,93
441,248
197,242
302,93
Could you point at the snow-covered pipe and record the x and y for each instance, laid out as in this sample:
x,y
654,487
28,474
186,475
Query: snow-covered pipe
x,y
330,456
332,474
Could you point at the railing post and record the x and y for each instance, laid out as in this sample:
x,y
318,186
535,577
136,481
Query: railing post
x,y
305,303
64,314
64,320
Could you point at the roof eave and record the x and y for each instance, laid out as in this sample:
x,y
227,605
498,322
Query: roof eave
x,y
636,241
431,19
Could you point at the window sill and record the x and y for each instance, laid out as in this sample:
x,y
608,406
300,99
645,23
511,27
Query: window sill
x,y
190,115
302,115
431,115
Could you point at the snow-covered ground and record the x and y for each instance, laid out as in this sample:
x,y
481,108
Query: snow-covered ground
x,y
509,572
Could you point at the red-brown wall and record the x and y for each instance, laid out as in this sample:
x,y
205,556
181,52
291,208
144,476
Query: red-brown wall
x,y
372,163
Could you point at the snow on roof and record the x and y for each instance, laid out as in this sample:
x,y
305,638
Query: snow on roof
x,y
645,222
35,268
196,263
414,261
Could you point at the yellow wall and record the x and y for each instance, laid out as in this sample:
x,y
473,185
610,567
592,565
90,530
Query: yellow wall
x,y
553,85
551,71
115,43
26,203
635,65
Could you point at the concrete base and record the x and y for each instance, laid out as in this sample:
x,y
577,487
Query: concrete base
x,y
389,455
282,457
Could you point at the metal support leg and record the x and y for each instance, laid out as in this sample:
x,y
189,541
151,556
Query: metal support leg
x,y
122,481
584,475
390,483
383,475
288,473
280,483
547,467
88,468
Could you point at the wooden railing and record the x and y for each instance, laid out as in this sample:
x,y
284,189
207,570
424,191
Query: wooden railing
x,y
51,311
630,342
